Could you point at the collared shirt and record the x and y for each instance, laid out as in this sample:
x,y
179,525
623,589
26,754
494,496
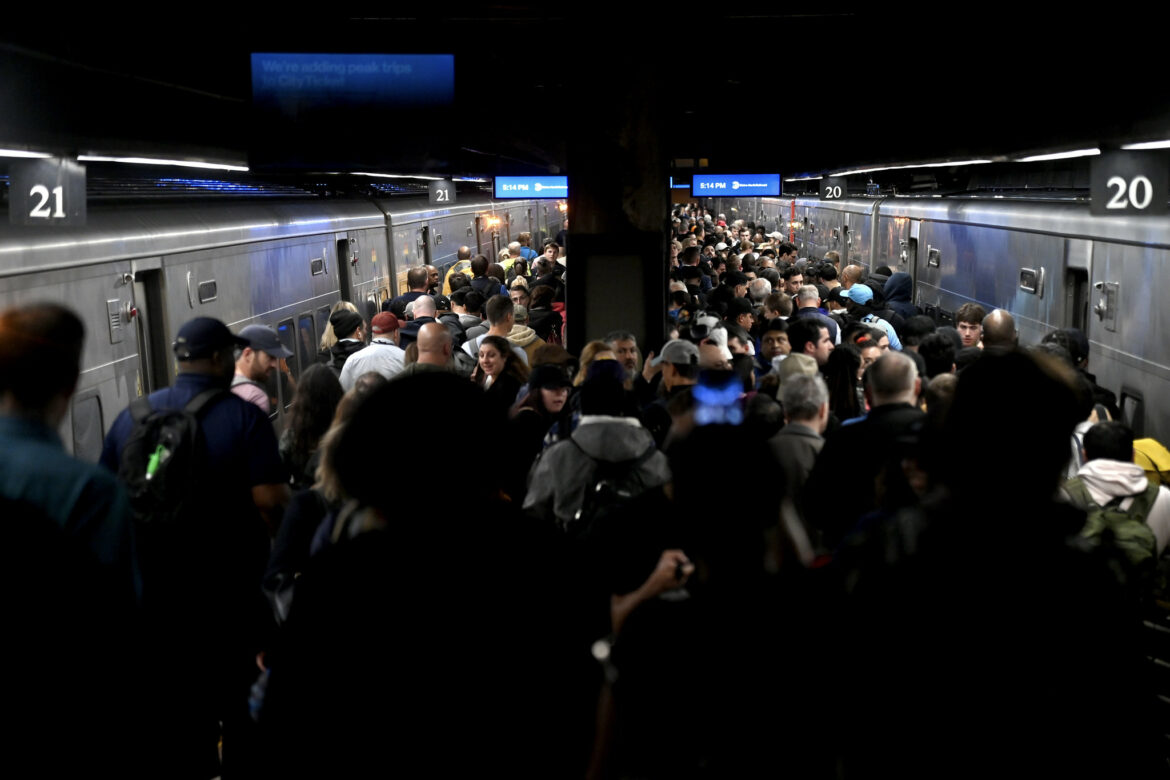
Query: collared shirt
x,y
85,500
251,392
383,356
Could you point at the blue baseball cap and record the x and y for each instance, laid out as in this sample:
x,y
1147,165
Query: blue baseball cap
x,y
203,336
860,293
262,338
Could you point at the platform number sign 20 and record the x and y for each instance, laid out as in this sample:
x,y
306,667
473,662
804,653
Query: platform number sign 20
x,y
441,192
46,192
833,188
1131,183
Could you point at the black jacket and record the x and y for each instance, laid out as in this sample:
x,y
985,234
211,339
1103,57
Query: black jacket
x,y
341,351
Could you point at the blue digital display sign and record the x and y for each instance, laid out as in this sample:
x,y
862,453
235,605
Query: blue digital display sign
x,y
532,186
384,80
744,184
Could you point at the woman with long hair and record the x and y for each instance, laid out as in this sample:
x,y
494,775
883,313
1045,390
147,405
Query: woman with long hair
x,y
310,416
328,337
544,405
500,371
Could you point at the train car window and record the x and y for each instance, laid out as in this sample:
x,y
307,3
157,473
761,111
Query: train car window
x,y
88,427
286,332
317,266
307,339
272,387
322,318
208,291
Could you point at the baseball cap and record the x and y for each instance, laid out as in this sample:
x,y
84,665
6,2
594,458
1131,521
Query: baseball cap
x,y
678,352
384,322
442,302
860,293
202,336
549,375
262,338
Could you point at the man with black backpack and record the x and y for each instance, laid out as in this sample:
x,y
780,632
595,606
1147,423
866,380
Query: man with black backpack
x,y
206,485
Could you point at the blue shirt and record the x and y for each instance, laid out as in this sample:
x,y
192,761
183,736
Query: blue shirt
x,y
85,500
241,445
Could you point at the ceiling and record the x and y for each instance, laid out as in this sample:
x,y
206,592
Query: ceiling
x,y
830,88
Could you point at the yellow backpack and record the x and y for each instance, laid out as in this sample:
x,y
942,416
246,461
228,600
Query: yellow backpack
x,y
1154,459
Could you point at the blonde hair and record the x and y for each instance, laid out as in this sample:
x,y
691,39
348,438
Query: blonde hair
x,y
328,339
588,355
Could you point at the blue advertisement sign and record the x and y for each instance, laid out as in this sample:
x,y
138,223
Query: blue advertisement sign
x,y
532,186
743,184
384,80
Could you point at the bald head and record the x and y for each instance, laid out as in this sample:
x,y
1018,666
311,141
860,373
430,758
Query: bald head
x,y
464,253
893,379
999,330
434,344
424,306
851,276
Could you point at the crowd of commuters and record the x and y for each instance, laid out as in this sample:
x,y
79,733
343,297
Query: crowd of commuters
x,y
813,532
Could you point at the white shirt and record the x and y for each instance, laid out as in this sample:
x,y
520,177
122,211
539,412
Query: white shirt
x,y
384,357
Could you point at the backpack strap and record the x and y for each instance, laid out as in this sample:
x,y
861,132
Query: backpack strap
x,y
140,409
1079,494
197,404
1144,501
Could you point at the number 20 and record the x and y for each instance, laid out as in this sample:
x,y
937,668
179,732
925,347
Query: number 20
x,y
1140,186
833,192
42,209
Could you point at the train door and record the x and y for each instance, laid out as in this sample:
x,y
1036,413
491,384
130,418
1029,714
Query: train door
x,y
154,353
346,260
424,245
908,253
1078,268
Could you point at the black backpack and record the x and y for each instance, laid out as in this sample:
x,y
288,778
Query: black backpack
x,y
613,484
160,462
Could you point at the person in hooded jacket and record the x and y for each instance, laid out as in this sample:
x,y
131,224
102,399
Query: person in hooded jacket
x,y
898,290
541,316
558,483
523,336
351,337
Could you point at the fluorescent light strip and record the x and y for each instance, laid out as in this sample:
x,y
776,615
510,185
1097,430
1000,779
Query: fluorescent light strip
x,y
1060,155
169,234
805,178
469,178
23,153
1148,145
154,161
396,176
953,164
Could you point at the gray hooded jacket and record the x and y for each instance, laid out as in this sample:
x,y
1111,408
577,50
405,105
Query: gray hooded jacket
x,y
560,476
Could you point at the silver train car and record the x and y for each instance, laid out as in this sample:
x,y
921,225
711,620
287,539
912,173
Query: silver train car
x,y
136,273
1050,263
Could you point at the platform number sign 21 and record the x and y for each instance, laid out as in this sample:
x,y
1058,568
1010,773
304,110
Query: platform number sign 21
x,y
442,192
1130,183
46,192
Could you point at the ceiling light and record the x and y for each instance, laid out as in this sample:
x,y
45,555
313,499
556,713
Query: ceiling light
x,y
397,176
950,164
23,153
1148,145
1060,155
804,178
156,161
